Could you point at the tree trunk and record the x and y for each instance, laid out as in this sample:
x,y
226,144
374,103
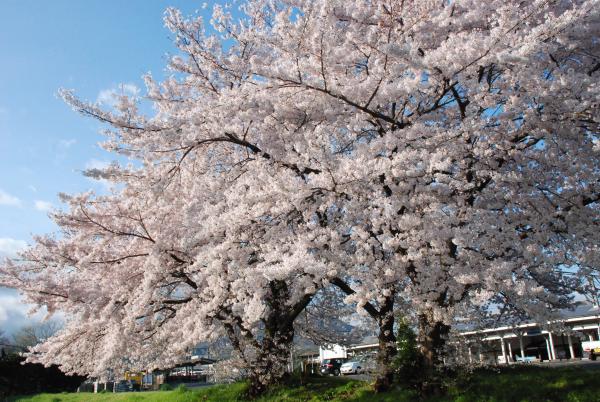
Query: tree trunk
x,y
387,340
432,339
387,346
272,358
270,367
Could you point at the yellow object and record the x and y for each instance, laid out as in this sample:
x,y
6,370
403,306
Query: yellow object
x,y
134,376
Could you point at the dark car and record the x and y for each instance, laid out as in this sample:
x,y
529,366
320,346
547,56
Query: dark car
x,y
331,366
125,386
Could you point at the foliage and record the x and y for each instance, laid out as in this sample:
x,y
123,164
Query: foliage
x,y
18,377
166,387
407,363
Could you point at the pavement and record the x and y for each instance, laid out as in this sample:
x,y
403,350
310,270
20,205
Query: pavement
x,y
360,377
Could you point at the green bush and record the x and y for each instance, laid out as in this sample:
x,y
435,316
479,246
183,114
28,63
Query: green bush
x,y
181,388
165,387
407,363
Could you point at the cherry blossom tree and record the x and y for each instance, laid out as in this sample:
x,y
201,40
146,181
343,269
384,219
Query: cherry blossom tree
x,y
425,156
141,289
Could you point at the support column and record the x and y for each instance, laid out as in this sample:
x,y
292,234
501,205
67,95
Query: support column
x,y
470,356
571,351
480,356
548,349
503,350
522,347
552,346
510,355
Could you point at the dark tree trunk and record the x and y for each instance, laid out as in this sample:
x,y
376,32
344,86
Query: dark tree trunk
x,y
387,340
273,354
387,346
432,339
271,363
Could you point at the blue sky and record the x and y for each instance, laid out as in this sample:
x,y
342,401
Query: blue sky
x,y
94,47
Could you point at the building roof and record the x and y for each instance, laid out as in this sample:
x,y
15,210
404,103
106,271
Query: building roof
x,y
580,312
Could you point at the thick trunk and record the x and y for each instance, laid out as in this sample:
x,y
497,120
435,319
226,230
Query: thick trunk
x,y
432,339
387,340
272,359
271,363
387,347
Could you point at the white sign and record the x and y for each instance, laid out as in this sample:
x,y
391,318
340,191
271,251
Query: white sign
x,y
332,352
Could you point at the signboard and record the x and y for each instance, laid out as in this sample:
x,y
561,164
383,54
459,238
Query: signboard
x,y
332,352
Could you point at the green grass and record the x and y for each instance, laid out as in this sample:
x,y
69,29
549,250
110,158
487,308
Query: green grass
x,y
525,384
333,389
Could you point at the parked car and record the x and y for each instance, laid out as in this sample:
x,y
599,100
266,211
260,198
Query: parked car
x,y
124,386
591,348
366,362
353,367
331,366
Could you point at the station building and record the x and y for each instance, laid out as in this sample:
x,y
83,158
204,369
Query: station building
x,y
531,341
525,342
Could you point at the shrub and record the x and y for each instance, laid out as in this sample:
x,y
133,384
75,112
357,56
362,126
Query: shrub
x,y
407,363
165,387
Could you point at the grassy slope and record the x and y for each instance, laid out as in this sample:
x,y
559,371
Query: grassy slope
x,y
516,384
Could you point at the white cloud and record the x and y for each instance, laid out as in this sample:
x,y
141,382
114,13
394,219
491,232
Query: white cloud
x,y
7,199
43,205
9,247
109,97
62,148
67,143
9,304
32,188
96,164
15,314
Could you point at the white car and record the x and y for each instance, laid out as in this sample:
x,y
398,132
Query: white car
x,y
352,368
